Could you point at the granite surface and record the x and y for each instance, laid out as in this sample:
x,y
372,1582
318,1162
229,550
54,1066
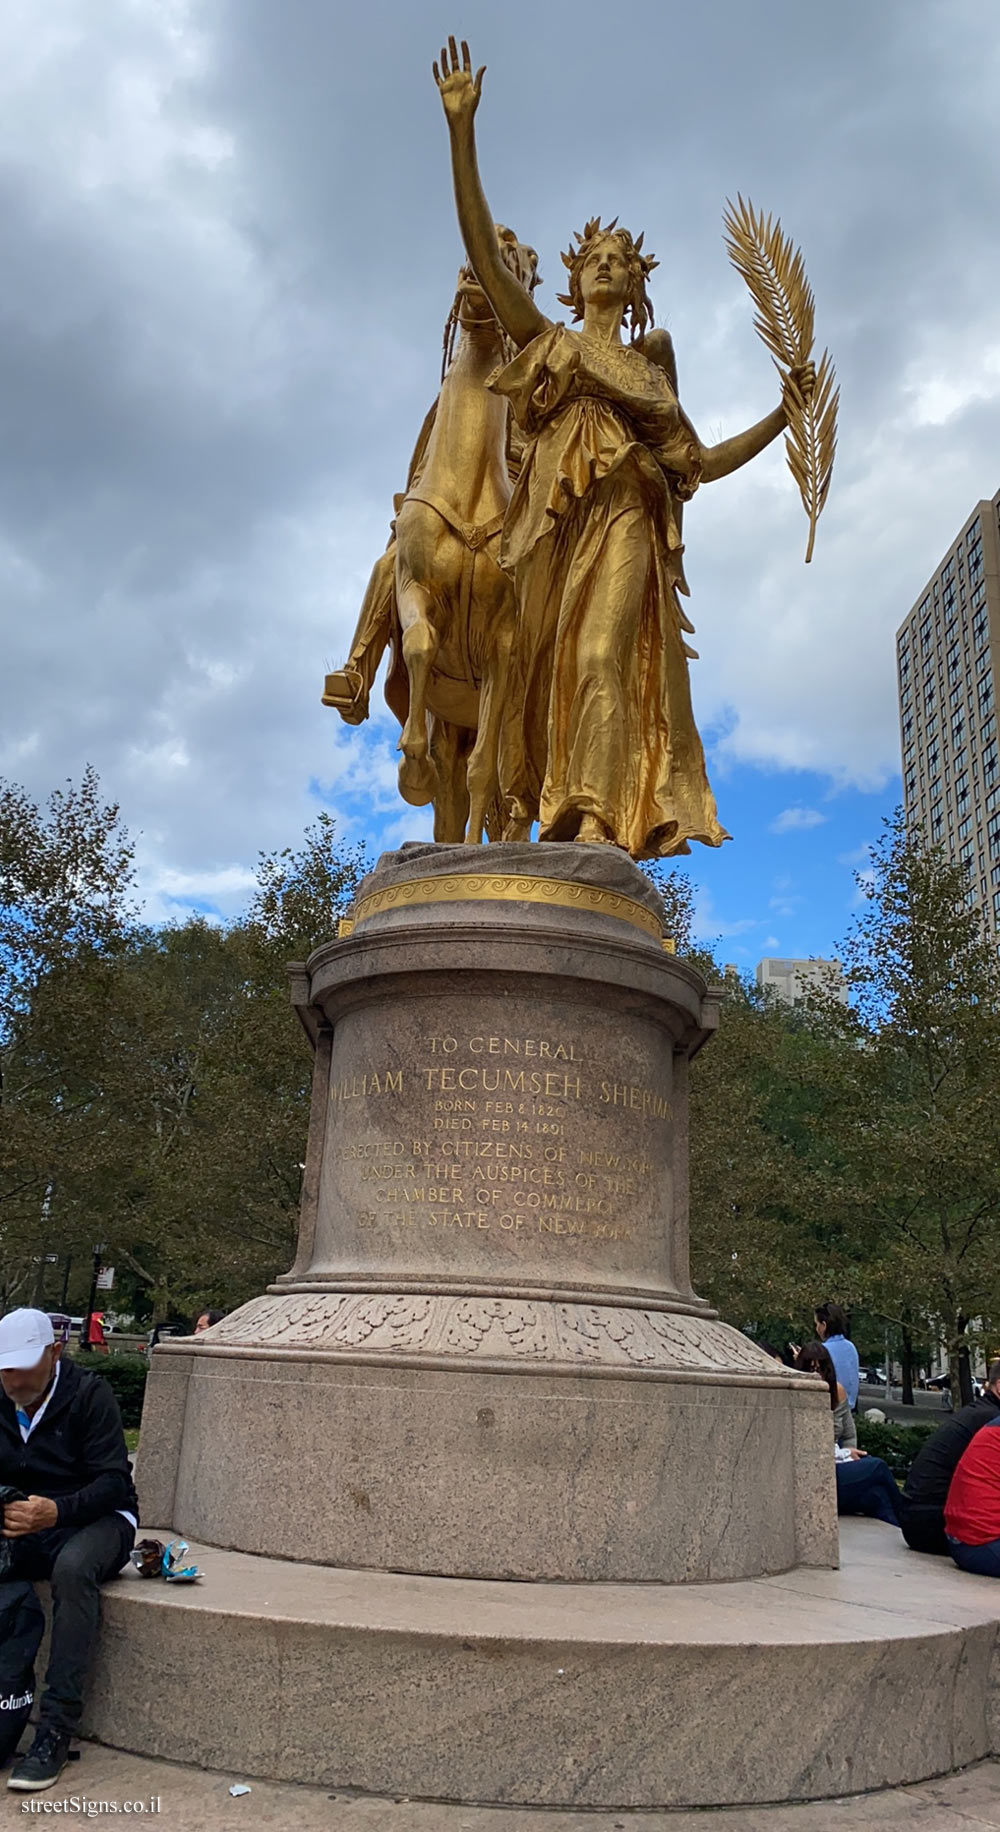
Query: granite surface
x,y
602,867
488,1359
808,1686
479,1473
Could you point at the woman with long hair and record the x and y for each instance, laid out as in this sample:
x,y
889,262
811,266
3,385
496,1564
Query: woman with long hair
x,y
865,1485
815,1358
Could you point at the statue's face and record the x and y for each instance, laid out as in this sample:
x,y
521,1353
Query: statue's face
x,y
604,277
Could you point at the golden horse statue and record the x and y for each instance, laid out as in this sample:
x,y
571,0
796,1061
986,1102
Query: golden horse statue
x,y
438,594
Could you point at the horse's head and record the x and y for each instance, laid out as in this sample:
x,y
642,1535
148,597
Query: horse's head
x,y
522,260
471,307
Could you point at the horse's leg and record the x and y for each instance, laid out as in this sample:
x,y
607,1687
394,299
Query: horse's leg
x,y
417,775
451,799
497,609
483,771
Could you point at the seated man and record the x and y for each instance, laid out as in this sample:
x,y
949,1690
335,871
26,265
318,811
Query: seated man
x,y
62,1445
972,1511
926,1487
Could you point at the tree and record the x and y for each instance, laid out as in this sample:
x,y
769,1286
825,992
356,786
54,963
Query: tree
x,y
763,1245
914,1099
204,1105
156,1082
66,915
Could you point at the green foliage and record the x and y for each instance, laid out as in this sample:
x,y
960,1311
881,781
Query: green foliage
x,y
853,1152
65,922
155,1083
677,892
126,1376
897,1445
154,1092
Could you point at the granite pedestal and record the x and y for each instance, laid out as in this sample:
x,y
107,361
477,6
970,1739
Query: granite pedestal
x,y
804,1686
488,1360
488,1364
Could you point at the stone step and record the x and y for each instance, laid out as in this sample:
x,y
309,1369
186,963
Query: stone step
x,y
803,1686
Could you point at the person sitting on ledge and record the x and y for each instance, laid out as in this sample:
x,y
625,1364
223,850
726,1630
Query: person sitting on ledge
x,y
925,1490
865,1485
62,1446
814,1358
972,1511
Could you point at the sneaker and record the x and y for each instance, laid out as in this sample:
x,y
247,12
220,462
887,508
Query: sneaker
x,y
43,1764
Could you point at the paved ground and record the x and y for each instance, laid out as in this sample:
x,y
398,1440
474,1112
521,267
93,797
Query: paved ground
x,y
192,1800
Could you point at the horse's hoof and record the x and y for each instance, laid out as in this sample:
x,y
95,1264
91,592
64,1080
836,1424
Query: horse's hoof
x,y
417,781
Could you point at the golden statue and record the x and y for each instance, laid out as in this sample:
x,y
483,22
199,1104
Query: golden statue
x,y
438,594
609,751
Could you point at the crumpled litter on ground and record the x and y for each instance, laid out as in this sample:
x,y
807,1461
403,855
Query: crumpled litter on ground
x,y
152,1559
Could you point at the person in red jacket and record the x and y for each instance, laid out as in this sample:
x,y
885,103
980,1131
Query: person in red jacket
x,y
972,1510
95,1332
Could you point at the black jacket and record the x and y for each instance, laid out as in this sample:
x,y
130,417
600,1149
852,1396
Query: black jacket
x,y
76,1456
932,1469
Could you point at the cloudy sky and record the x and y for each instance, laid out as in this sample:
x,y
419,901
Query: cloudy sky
x,y
227,247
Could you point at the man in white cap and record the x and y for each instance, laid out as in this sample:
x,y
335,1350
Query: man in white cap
x,y
62,1446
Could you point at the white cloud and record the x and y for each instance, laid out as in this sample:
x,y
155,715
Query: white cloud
x,y
228,250
797,820
708,925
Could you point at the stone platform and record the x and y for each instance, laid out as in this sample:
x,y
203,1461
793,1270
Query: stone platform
x,y
488,1359
809,1685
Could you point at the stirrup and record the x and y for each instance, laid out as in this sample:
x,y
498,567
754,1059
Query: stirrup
x,y
345,691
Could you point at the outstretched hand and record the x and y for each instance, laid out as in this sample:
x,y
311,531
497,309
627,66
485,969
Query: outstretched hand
x,y
460,90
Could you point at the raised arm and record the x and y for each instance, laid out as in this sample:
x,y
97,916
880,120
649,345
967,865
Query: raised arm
x,y
460,92
730,454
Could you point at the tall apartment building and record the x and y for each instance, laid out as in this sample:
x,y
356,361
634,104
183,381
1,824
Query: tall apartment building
x,y
791,980
948,663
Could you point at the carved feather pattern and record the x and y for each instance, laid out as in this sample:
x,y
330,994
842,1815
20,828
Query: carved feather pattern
x,y
775,273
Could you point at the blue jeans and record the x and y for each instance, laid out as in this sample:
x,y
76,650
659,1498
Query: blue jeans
x,y
983,1560
868,1486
